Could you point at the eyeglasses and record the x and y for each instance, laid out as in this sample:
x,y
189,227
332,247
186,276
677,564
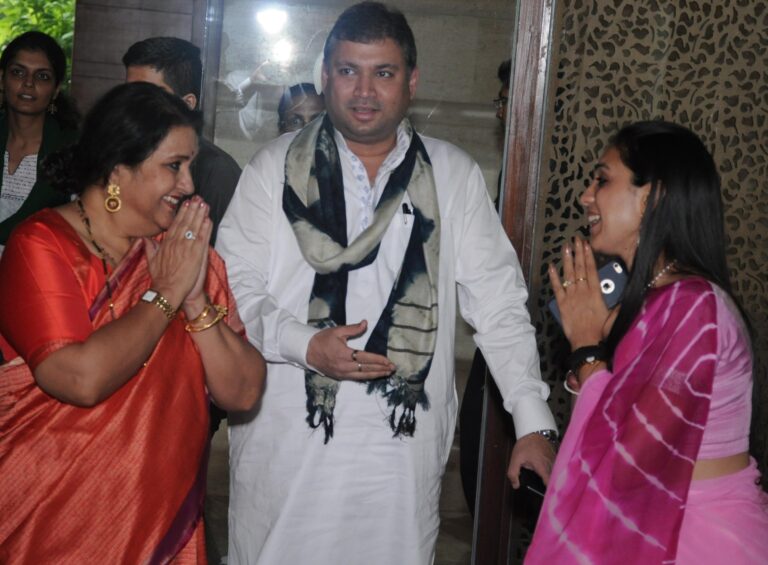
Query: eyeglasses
x,y
500,102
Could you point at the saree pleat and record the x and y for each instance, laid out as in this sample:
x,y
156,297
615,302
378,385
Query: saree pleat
x,y
119,482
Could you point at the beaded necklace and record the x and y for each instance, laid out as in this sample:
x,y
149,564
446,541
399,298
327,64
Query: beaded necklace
x,y
103,255
660,274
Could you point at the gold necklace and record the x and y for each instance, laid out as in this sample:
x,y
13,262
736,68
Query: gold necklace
x,y
103,255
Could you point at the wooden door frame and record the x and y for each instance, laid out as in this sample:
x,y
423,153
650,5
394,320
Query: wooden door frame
x,y
526,114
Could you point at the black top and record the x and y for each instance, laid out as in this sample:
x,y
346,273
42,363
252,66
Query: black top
x,y
42,194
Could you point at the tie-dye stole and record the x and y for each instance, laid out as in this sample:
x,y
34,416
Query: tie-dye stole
x,y
621,479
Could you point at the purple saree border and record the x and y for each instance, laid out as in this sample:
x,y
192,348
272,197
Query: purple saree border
x,y
183,526
127,264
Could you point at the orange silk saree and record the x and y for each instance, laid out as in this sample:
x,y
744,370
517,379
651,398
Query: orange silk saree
x,y
121,482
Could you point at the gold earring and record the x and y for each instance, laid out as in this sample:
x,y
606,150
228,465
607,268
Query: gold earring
x,y
112,202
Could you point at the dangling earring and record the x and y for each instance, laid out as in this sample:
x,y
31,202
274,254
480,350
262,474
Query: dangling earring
x,y
52,109
112,202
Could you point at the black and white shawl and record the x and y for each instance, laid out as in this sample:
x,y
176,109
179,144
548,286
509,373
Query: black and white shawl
x,y
406,333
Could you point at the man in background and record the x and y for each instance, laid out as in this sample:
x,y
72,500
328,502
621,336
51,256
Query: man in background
x,y
502,100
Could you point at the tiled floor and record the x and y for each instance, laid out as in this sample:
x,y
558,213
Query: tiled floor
x,y
454,543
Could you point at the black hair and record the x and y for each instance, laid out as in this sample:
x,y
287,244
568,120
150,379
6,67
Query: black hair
x,y
504,72
66,110
124,127
369,22
178,60
683,218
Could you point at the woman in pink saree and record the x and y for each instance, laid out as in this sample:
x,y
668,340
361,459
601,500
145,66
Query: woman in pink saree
x,y
654,466
119,329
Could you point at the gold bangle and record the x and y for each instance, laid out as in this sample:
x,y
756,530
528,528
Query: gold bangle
x,y
202,316
221,311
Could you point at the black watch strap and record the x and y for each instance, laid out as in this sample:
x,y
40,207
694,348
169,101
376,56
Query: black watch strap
x,y
588,354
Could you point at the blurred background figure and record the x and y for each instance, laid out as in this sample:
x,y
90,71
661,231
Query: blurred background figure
x,y
121,329
299,105
502,100
245,85
36,119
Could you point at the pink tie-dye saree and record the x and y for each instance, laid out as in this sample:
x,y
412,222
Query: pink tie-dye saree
x,y
619,486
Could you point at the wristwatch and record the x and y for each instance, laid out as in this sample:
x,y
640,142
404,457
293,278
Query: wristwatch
x,y
549,435
151,296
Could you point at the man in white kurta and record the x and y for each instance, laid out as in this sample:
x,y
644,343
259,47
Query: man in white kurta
x,y
365,497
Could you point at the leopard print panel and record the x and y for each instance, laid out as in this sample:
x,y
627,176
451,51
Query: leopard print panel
x,y
701,64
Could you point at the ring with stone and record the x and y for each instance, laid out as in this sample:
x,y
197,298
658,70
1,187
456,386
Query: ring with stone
x,y
189,234
567,283
581,279
354,355
360,367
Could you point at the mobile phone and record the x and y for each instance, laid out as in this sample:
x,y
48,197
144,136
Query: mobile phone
x,y
613,279
532,482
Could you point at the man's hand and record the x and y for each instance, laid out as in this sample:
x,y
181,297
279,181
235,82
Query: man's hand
x,y
329,354
534,452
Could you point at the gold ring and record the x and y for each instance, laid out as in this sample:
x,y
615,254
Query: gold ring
x,y
359,368
567,283
581,279
354,355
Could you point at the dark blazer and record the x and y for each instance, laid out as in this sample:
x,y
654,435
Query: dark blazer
x,y
215,174
42,194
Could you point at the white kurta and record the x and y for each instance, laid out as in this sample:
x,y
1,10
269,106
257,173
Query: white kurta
x,y
365,497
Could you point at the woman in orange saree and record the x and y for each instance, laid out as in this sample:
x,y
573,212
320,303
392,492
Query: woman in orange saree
x,y
118,477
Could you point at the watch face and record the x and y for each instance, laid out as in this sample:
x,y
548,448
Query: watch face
x,y
149,296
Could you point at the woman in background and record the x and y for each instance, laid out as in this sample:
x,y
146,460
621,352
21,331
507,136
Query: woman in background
x,y
298,106
654,466
36,119
125,330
